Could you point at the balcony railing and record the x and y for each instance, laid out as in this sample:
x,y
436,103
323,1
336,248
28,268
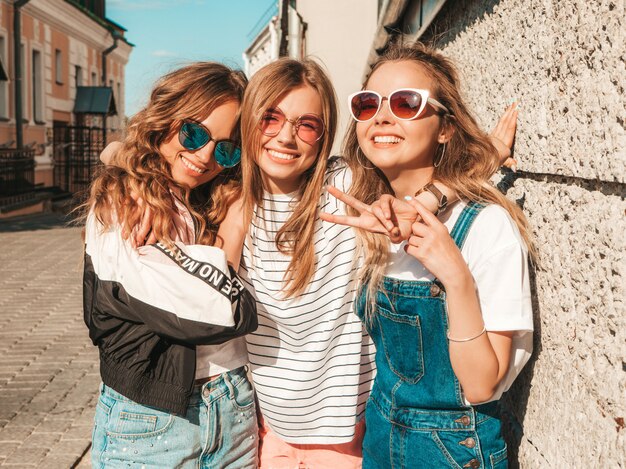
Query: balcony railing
x,y
17,171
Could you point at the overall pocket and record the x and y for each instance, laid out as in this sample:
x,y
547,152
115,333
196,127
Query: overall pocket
x,y
402,343
459,449
499,459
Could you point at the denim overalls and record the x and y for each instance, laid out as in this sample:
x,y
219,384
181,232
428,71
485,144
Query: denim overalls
x,y
416,416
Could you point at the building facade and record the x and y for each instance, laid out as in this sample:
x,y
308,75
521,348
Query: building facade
x,y
65,45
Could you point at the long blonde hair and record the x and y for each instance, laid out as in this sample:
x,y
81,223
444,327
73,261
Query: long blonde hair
x,y
266,88
470,158
138,170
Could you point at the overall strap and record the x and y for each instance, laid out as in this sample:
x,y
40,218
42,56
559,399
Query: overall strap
x,y
464,223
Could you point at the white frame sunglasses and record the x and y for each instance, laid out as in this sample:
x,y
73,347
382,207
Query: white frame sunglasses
x,y
424,95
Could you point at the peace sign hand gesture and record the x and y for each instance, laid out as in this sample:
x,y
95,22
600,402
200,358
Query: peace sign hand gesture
x,y
431,244
388,215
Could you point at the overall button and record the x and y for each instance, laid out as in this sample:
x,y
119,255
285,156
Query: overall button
x,y
435,290
465,420
474,464
206,392
468,442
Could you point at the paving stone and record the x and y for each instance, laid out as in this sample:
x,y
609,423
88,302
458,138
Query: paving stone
x,y
16,434
73,447
54,425
26,456
41,440
48,367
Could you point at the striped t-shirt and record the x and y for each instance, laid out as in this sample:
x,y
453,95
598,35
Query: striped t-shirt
x,y
312,361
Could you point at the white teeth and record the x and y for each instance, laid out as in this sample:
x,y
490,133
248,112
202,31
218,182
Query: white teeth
x,y
282,156
386,139
192,166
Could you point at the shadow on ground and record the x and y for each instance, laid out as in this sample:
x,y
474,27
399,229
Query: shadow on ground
x,y
39,221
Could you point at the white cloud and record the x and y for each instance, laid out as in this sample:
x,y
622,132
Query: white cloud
x,y
163,53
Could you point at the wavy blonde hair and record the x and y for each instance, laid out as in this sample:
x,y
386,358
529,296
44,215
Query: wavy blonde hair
x,y
268,86
470,158
138,170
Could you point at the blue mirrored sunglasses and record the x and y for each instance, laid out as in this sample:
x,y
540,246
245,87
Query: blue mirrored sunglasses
x,y
194,136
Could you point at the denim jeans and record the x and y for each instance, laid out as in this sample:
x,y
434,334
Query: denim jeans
x,y
416,416
219,431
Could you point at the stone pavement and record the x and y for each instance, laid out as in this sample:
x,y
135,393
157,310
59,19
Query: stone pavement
x,y
48,367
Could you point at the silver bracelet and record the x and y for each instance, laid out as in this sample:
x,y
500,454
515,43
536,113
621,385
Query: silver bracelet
x,y
467,339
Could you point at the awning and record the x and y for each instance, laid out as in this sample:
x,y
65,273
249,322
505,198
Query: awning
x,y
95,100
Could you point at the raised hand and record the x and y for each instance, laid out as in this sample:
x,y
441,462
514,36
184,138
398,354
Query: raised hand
x,y
142,234
388,215
503,135
431,244
110,151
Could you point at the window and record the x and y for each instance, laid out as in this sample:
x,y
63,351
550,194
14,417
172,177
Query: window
x,y
418,16
4,86
37,84
78,75
24,82
58,64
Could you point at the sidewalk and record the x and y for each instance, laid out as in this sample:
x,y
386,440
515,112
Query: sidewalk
x,y
48,367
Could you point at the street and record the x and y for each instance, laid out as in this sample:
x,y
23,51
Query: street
x,y
48,367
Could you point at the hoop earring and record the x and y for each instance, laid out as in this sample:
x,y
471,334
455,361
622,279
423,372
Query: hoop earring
x,y
443,152
358,160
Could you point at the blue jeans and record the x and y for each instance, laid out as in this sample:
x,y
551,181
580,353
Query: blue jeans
x,y
416,415
220,429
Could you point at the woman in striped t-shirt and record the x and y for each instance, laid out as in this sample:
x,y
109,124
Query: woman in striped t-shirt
x,y
312,362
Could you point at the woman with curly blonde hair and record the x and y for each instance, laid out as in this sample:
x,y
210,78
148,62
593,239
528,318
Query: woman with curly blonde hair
x,y
168,317
449,308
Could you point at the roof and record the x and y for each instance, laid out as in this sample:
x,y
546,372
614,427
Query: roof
x,y
94,100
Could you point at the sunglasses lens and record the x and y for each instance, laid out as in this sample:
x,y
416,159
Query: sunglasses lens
x,y
405,104
193,136
227,154
272,122
310,129
364,105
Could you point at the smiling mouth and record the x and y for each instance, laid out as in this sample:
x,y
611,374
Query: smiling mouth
x,y
193,167
282,156
391,139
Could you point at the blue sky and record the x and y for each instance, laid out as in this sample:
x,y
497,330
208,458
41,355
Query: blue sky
x,y
170,33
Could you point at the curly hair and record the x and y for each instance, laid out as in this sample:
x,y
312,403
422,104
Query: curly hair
x,y
138,172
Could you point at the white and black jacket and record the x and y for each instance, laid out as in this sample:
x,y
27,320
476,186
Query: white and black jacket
x,y
147,309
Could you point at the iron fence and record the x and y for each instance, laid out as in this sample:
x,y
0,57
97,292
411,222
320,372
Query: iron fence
x,y
17,171
76,156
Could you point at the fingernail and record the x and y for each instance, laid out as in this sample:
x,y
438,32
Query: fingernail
x,y
407,197
514,168
512,100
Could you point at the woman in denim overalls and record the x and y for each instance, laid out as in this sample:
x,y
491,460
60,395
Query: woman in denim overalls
x,y
450,313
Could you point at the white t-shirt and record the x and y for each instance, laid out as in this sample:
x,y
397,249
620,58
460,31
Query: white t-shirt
x,y
211,360
497,258
312,361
